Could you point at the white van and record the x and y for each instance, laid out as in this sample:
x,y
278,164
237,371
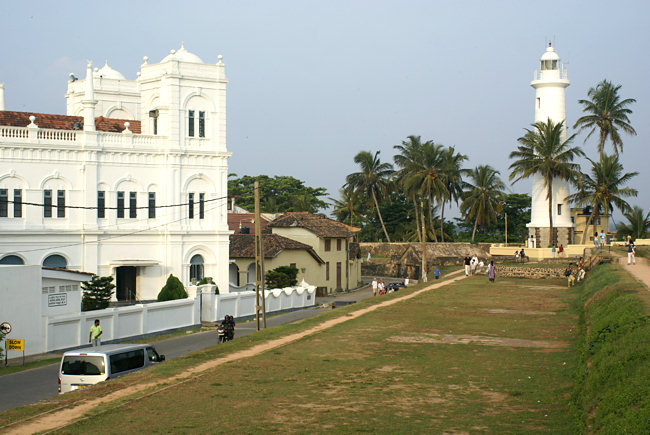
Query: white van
x,y
88,366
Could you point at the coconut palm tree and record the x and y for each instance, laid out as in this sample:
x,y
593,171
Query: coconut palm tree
x,y
607,113
374,179
482,197
348,207
407,160
453,181
604,188
426,177
542,151
638,224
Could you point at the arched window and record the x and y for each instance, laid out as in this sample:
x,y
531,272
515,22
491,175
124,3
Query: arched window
x,y
196,268
12,260
250,274
55,261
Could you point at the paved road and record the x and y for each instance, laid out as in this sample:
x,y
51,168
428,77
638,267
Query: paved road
x,y
41,383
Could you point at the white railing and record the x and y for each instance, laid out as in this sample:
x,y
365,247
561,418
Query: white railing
x,y
112,139
51,135
14,132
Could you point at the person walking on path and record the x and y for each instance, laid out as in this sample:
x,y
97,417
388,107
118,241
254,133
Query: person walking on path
x,y
374,286
95,333
516,256
522,254
602,238
630,252
596,241
467,262
381,288
491,271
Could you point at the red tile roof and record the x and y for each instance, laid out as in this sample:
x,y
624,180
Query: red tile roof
x,y
243,246
317,224
65,122
236,221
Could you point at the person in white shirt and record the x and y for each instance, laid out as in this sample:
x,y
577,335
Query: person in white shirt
x,y
374,286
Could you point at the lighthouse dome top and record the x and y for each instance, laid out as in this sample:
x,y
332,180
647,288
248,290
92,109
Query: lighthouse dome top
x,y
550,54
182,55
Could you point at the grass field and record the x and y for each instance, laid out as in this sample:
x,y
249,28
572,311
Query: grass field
x,y
472,356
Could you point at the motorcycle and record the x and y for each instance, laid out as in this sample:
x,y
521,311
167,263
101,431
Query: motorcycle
x,y
226,330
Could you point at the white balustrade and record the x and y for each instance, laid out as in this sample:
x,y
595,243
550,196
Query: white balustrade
x,y
14,132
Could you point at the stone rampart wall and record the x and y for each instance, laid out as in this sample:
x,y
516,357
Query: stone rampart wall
x,y
529,272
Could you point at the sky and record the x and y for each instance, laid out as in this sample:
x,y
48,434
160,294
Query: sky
x,y
312,83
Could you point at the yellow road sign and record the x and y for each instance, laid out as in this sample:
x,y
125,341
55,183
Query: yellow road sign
x,y
15,344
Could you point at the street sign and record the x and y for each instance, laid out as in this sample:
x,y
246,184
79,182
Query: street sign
x,y
5,328
15,344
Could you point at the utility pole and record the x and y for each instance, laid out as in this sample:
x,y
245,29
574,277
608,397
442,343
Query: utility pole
x,y
506,229
259,262
423,273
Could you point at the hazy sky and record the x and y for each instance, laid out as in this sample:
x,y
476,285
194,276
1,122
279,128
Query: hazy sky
x,y
314,82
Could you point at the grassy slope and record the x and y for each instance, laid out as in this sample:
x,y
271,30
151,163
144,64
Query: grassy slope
x,y
613,379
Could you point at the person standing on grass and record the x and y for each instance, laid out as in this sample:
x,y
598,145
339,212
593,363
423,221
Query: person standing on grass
x,y
95,333
553,252
596,241
560,251
491,271
602,238
630,252
381,287
467,261
374,286
522,254
516,256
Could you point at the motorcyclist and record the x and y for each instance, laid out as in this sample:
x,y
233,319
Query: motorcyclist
x,y
228,325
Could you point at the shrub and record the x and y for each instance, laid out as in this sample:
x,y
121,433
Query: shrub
x,y
172,290
280,277
97,293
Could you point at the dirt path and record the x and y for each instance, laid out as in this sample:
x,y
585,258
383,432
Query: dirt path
x,y
64,417
640,270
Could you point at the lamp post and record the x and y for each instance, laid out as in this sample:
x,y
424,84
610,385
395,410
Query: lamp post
x,y
506,229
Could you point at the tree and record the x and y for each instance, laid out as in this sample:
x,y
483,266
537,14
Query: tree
x,y
374,179
173,289
349,208
604,188
281,277
517,207
638,224
428,176
482,199
97,293
453,181
279,194
607,113
542,151
408,159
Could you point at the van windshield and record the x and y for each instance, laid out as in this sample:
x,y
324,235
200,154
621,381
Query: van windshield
x,y
83,365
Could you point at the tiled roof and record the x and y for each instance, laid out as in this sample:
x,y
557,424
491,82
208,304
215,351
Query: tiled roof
x,y
243,246
65,122
236,221
317,224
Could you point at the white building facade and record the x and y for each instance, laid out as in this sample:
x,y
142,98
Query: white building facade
x,y
132,182
550,84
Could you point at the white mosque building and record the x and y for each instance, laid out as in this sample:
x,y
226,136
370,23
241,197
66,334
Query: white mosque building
x,y
132,182
550,84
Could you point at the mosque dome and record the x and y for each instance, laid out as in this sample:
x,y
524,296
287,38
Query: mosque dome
x,y
182,55
106,72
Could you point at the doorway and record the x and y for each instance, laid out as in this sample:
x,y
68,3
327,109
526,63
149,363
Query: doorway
x,y
338,275
125,283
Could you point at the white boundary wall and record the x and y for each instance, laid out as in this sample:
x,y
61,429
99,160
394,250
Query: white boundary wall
x,y
242,304
72,330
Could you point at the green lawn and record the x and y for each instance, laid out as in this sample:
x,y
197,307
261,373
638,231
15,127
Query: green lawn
x,y
469,357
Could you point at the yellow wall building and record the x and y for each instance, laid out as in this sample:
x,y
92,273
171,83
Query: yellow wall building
x,y
579,217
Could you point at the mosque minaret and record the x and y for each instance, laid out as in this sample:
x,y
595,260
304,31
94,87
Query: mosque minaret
x,y
550,84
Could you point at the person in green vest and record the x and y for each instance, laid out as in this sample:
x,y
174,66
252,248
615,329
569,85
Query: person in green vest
x,y
95,334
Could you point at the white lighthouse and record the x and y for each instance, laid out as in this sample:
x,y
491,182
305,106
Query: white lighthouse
x,y
550,83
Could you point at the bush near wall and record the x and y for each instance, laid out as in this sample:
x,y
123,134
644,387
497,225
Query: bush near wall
x,y
173,289
612,392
